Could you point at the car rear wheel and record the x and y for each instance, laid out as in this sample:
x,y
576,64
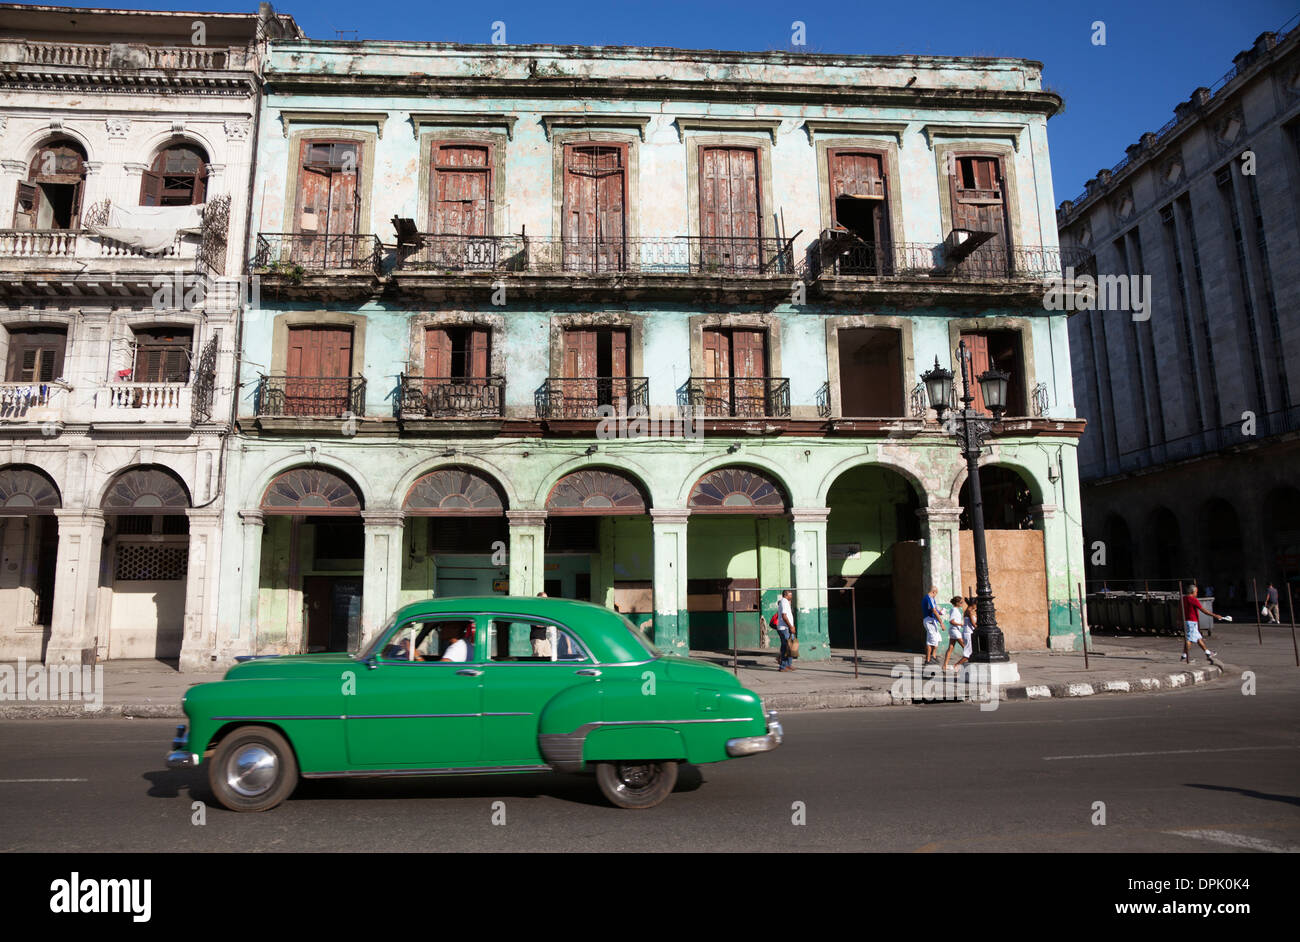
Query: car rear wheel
x,y
636,784
254,769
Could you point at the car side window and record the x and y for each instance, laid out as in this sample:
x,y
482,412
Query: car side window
x,y
533,640
438,640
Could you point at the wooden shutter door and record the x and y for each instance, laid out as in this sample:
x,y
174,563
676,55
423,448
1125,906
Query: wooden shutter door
x,y
151,187
27,205
717,371
979,204
729,209
437,353
977,345
344,208
579,222
609,189
319,367
478,346
749,366
311,217
580,388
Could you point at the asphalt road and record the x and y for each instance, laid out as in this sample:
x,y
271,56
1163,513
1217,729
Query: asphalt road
x,y
1204,769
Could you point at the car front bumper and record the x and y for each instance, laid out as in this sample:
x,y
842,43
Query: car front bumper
x,y
180,757
752,745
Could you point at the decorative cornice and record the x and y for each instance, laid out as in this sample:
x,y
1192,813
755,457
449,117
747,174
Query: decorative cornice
x,y
13,166
383,518
375,118
815,126
252,518
552,121
674,516
1004,131
462,119
117,128
709,123
526,518
237,130
809,514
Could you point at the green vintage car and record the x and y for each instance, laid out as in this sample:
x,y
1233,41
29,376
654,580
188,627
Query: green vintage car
x,y
467,686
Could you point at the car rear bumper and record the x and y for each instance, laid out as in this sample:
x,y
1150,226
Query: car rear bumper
x,y
752,745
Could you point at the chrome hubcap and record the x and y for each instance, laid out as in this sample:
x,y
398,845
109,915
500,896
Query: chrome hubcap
x,y
252,770
636,776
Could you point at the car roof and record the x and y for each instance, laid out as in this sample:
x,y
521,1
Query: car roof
x,y
602,629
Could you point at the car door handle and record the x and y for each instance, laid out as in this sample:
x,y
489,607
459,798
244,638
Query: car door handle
x,y
468,672
588,672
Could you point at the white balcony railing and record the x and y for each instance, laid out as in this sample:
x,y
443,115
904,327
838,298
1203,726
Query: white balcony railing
x,y
130,56
82,243
32,402
142,402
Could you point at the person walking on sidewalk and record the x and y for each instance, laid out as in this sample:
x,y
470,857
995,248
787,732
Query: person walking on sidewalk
x,y
930,621
1192,634
967,632
1270,603
785,628
955,616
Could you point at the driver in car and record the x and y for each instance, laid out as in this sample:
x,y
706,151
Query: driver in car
x,y
452,635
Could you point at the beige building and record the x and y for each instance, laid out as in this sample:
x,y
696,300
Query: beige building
x,y
126,141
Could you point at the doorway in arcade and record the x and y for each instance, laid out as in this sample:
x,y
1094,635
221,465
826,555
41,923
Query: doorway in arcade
x,y
871,509
599,545
737,547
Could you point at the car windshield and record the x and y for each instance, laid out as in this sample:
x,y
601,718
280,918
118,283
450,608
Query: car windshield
x,y
373,647
641,639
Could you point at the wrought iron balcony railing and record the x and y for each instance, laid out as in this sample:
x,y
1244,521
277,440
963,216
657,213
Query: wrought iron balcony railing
x,y
676,255
444,397
591,397
295,253
737,396
311,396
853,257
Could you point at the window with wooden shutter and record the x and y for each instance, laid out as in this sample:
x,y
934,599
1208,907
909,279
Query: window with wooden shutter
x,y
979,204
328,203
859,197
35,356
997,349
735,367
594,222
730,220
178,177
162,356
58,173
461,195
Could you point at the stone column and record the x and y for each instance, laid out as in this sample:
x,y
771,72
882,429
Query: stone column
x,y
1064,623
76,587
671,622
941,561
198,636
382,581
250,584
527,551
808,555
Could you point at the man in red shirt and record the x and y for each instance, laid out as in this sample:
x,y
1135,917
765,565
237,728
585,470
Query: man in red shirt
x,y
1192,633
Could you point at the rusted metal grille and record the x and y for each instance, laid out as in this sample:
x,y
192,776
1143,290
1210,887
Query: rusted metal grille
x,y
310,396
591,397
451,397
214,233
146,490
457,491
284,252
596,492
737,396
311,491
835,255
150,562
737,490
205,381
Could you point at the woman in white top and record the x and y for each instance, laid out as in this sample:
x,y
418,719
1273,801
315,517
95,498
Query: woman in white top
x,y
955,615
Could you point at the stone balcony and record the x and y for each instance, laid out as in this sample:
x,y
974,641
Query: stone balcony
x,y
81,262
49,407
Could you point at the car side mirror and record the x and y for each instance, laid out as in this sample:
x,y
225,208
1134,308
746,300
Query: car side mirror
x,y
372,662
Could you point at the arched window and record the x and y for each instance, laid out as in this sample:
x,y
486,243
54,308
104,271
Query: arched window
x,y
179,177
737,490
595,492
51,196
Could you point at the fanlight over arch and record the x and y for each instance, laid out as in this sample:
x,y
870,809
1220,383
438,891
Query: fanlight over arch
x,y
311,492
27,491
458,491
737,490
595,492
146,491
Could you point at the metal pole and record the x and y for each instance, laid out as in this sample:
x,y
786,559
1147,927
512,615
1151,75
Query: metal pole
x,y
989,644
853,605
1254,587
1291,606
1083,628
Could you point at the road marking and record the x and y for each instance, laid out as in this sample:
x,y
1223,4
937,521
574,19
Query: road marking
x,y
20,781
1237,840
1164,752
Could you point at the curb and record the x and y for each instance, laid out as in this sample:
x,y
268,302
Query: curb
x,y
1187,678
813,700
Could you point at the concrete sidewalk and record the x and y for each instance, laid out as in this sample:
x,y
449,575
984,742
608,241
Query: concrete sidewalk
x,y
1118,665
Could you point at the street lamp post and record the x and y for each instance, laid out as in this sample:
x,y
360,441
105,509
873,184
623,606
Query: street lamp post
x,y
972,430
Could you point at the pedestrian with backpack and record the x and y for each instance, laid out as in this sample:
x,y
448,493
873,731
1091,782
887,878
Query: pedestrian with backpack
x,y
783,622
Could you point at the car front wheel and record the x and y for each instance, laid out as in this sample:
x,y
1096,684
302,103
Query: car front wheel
x,y
636,784
254,769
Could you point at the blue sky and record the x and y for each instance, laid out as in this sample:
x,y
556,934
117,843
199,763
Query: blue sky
x,y
1156,51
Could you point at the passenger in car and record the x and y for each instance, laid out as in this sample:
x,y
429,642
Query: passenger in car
x,y
452,635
